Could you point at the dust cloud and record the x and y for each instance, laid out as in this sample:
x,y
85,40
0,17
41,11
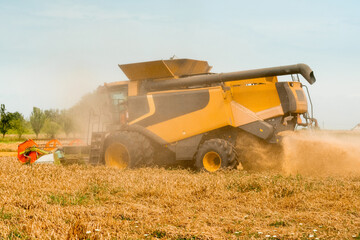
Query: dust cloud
x,y
321,153
91,114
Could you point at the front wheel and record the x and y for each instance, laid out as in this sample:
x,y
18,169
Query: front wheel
x,y
128,150
215,154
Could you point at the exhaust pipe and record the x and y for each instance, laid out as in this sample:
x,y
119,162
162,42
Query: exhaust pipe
x,y
301,68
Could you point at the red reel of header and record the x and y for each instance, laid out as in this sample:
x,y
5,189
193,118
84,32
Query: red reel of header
x,y
27,157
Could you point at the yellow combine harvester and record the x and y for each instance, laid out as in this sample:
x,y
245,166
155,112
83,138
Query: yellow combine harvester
x,y
173,111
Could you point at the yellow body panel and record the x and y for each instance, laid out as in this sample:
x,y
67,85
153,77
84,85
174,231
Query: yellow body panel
x,y
242,115
146,70
133,88
215,115
255,94
164,69
236,104
245,102
301,103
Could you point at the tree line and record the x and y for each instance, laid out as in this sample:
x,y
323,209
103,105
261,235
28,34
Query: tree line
x,y
51,122
76,120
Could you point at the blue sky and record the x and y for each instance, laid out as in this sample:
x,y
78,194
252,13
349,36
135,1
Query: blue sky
x,y
53,52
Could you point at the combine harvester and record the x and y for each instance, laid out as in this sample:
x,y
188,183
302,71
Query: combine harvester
x,y
175,111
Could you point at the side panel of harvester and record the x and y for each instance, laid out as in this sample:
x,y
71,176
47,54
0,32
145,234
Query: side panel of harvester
x,y
180,114
258,95
176,115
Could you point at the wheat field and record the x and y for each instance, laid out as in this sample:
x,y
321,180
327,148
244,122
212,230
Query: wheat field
x,y
86,202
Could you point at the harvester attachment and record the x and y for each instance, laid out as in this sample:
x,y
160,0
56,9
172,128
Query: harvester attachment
x,y
29,152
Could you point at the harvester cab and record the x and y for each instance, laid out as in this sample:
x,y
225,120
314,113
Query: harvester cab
x,y
174,111
117,96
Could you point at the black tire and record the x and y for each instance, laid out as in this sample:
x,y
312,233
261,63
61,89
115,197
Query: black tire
x,y
128,150
215,154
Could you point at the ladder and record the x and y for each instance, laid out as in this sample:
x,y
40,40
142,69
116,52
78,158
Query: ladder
x,y
96,148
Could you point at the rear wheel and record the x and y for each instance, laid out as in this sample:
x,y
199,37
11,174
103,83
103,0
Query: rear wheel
x,y
215,154
128,150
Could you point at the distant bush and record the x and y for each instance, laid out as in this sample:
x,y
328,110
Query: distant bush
x,y
51,128
19,124
37,120
5,120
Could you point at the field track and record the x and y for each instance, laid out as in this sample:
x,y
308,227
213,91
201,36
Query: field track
x,y
52,201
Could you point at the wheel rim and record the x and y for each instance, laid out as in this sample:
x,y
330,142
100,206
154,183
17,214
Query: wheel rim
x,y
116,155
212,161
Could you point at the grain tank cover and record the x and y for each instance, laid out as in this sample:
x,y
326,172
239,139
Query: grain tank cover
x,y
165,69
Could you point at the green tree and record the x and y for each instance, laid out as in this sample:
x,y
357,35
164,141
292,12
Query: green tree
x,y
53,115
5,121
37,120
67,122
51,128
19,124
